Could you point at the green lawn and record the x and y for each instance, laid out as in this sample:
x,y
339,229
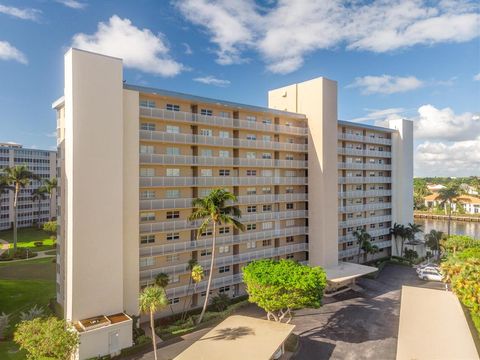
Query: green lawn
x,y
27,237
9,351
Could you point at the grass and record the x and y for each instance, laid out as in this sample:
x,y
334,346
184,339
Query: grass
x,y
9,351
27,237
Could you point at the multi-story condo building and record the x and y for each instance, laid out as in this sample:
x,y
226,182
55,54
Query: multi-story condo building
x,y
42,163
132,159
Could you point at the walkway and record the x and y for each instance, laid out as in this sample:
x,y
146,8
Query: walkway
x,y
4,246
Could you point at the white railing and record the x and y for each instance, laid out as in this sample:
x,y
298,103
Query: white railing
x,y
218,141
365,207
220,181
358,152
156,250
373,233
363,221
361,193
218,161
354,251
220,121
364,166
366,139
184,290
364,180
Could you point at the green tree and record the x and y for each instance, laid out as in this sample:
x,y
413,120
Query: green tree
x,y
213,210
37,196
50,338
280,286
152,299
191,263
456,243
17,178
447,198
432,240
50,185
420,190
196,275
399,231
411,255
363,240
51,228
162,280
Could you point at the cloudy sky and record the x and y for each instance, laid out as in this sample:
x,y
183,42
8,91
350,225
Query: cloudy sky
x,y
411,58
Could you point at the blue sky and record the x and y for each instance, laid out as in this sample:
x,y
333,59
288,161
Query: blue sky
x,y
416,59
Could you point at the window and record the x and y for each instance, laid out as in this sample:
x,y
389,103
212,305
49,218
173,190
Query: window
x,y
173,236
289,223
372,226
289,256
207,153
146,149
147,239
290,206
223,249
207,112
223,269
224,230
173,107
224,153
267,173
251,209
206,172
251,172
358,187
206,132
146,262
206,252
251,155
251,137
289,190
267,242
173,172
174,301
224,114
251,191
251,227
147,172
147,126
224,134
290,140
223,289
147,216
266,190
289,157
173,214
172,193
147,103
267,208
172,257
204,192
266,155
289,239
290,173
251,118
207,232
251,244
267,225
266,138
172,129
173,151
224,172
174,279
147,194
267,121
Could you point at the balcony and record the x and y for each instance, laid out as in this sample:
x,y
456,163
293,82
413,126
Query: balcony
x,y
157,250
364,207
364,166
219,161
361,193
221,181
358,152
354,251
373,233
227,260
193,139
364,139
363,221
364,180
186,203
172,225
219,121
179,291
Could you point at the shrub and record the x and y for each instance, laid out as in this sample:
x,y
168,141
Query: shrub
x,y
50,227
4,321
34,312
220,302
410,255
38,243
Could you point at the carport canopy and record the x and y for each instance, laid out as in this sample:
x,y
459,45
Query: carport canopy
x,y
345,271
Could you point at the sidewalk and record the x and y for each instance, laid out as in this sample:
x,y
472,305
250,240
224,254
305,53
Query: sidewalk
x,y
4,247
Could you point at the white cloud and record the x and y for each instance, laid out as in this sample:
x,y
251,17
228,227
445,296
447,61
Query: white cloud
x,y
286,31
73,4
24,14
139,48
380,115
9,52
477,77
385,84
444,124
188,49
211,80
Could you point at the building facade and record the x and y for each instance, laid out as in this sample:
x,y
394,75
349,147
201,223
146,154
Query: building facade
x,y
130,164
42,163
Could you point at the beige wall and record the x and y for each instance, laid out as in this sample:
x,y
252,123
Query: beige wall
x,y
317,99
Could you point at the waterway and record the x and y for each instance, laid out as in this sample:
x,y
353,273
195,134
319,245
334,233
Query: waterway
x,y
456,227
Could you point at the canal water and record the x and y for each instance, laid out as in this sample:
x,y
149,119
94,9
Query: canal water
x,y
456,227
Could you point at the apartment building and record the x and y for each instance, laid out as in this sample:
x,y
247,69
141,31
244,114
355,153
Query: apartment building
x,y
132,158
42,163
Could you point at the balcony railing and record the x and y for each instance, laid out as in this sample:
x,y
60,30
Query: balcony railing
x,y
218,141
354,251
179,291
365,207
157,250
227,260
364,180
246,217
219,161
221,181
364,166
365,139
373,233
361,193
358,152
186,203
363,221
220,121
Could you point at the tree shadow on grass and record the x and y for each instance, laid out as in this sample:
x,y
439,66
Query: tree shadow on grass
x,y
231,333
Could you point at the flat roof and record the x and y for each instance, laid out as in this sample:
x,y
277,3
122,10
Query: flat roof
x,y
346,271
433,326
365,126
239,338
201,99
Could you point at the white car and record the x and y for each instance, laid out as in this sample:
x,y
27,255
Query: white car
x,y
429,268
432,275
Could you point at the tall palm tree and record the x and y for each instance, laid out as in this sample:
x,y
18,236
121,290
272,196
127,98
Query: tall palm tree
x,y
398,231
152,299
448,196
363,239
432,240
38,195
50,185
213,210
17,177
411,230
162,280
191,263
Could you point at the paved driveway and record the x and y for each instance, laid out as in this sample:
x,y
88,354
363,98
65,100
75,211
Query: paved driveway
x,y
357,325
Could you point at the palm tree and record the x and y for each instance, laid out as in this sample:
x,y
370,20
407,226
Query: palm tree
x,y
448,196
162,280
432,240
411,230
17,177
191,263
152,299
50,185
213,210
363,239
38,194
398,231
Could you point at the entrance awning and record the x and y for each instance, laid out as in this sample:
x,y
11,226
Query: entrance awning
x,y
345,271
